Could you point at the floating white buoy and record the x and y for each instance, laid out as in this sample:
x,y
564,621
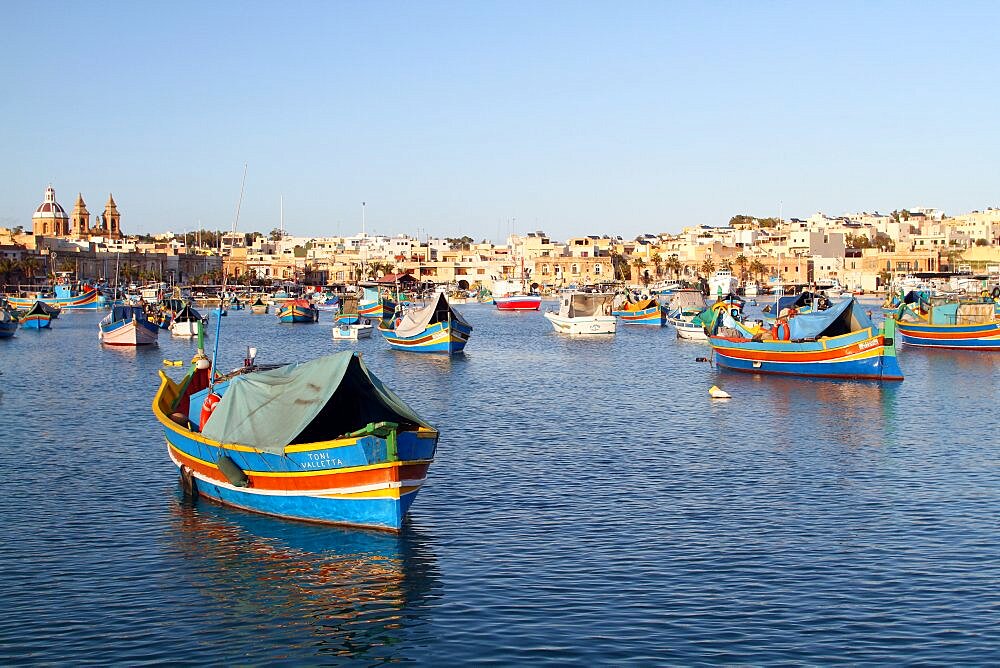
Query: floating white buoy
x,y
716,393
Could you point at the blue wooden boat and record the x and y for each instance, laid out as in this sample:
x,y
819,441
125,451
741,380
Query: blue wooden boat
x,y
436,328
298,310
372,305
63,297
36,317
642,312
322,441
840,342
956,325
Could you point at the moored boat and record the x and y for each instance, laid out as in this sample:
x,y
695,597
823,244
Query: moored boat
x,y
352,331
642,312
435,328
583,313
322,441
8,320
684,313
259,307
186,322
840,342
518,303
373,305
127,326
955,325
297,310
36,317
63,297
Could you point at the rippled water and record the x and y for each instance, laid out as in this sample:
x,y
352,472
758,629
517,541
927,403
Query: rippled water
x,y
589,503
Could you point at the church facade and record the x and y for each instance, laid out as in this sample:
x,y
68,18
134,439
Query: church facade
x,y
50,219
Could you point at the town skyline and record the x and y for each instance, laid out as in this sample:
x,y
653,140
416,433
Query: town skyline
x,y
486,118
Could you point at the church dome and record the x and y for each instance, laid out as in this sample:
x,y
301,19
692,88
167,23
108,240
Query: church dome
x,y
50,208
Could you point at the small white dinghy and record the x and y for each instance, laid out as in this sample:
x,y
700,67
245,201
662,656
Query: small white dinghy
x,y
361,330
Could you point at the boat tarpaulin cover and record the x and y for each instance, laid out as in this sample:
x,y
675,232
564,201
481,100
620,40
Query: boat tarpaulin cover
x,y
416,320
842,318
310,402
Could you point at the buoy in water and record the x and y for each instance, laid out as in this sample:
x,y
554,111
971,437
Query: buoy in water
x,y
173,362
716,393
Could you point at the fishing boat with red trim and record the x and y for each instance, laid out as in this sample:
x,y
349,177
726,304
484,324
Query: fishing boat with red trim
x,y
298,310
36,317
646,311
321,441
839,342
950,324
63,296
435,328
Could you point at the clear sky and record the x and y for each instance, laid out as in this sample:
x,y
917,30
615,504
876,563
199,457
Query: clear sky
x,y
479,118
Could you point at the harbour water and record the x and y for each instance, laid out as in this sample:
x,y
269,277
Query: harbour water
x,y
588,504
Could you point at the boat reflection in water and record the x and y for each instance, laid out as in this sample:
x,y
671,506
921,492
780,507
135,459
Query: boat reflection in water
x,y
329,591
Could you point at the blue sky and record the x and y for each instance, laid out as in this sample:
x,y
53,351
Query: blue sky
x,y
479,118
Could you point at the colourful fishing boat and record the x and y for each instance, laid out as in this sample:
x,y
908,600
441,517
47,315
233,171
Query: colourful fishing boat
x,y
840,342
127,326
322,441
373,305
259,307
642,312
36,317
436,328
63,297
956,325
348,311
298,310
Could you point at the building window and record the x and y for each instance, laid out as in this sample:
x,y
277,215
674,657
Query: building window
x,y
597,269
574,269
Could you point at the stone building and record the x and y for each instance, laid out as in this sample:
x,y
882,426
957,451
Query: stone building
x,y
50,219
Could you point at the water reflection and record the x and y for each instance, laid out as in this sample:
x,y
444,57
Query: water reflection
x,y
329,590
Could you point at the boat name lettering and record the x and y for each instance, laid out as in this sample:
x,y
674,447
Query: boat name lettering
x,y
320,460
865,345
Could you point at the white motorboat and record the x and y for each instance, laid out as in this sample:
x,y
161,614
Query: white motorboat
x,y
584,313
360,330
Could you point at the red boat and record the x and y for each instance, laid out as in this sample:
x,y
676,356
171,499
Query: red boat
x,y
518,303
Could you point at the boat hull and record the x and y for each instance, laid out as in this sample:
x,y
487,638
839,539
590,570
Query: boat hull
x,y
655,316
351,481
288,314
518,303
689,330
259,309
984,337
864,355
128,333
442,337
600,324
184,328
86,301
7,329
36,321
352,332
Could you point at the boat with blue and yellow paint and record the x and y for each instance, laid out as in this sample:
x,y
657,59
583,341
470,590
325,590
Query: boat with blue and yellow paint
x,y
321,441
435,328
63,296
298,310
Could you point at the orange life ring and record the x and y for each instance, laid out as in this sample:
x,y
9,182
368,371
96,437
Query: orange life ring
x,y
211,401
784,332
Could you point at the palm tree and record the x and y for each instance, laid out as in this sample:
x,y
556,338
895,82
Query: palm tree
x,y
674,265
7,267
28,267
726,265
639,264
741,263
658,263
757,268
708,267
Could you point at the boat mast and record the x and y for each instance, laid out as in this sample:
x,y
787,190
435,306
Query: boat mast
x,y
218,322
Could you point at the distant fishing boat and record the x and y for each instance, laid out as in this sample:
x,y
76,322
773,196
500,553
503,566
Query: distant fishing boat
x,y
642,312
322,441
583,313
840,342
298,310
435,328
259,307
186,322
373,306
63,297
127,326
955,325
8,320
518,303
347,311
684,314
36,317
